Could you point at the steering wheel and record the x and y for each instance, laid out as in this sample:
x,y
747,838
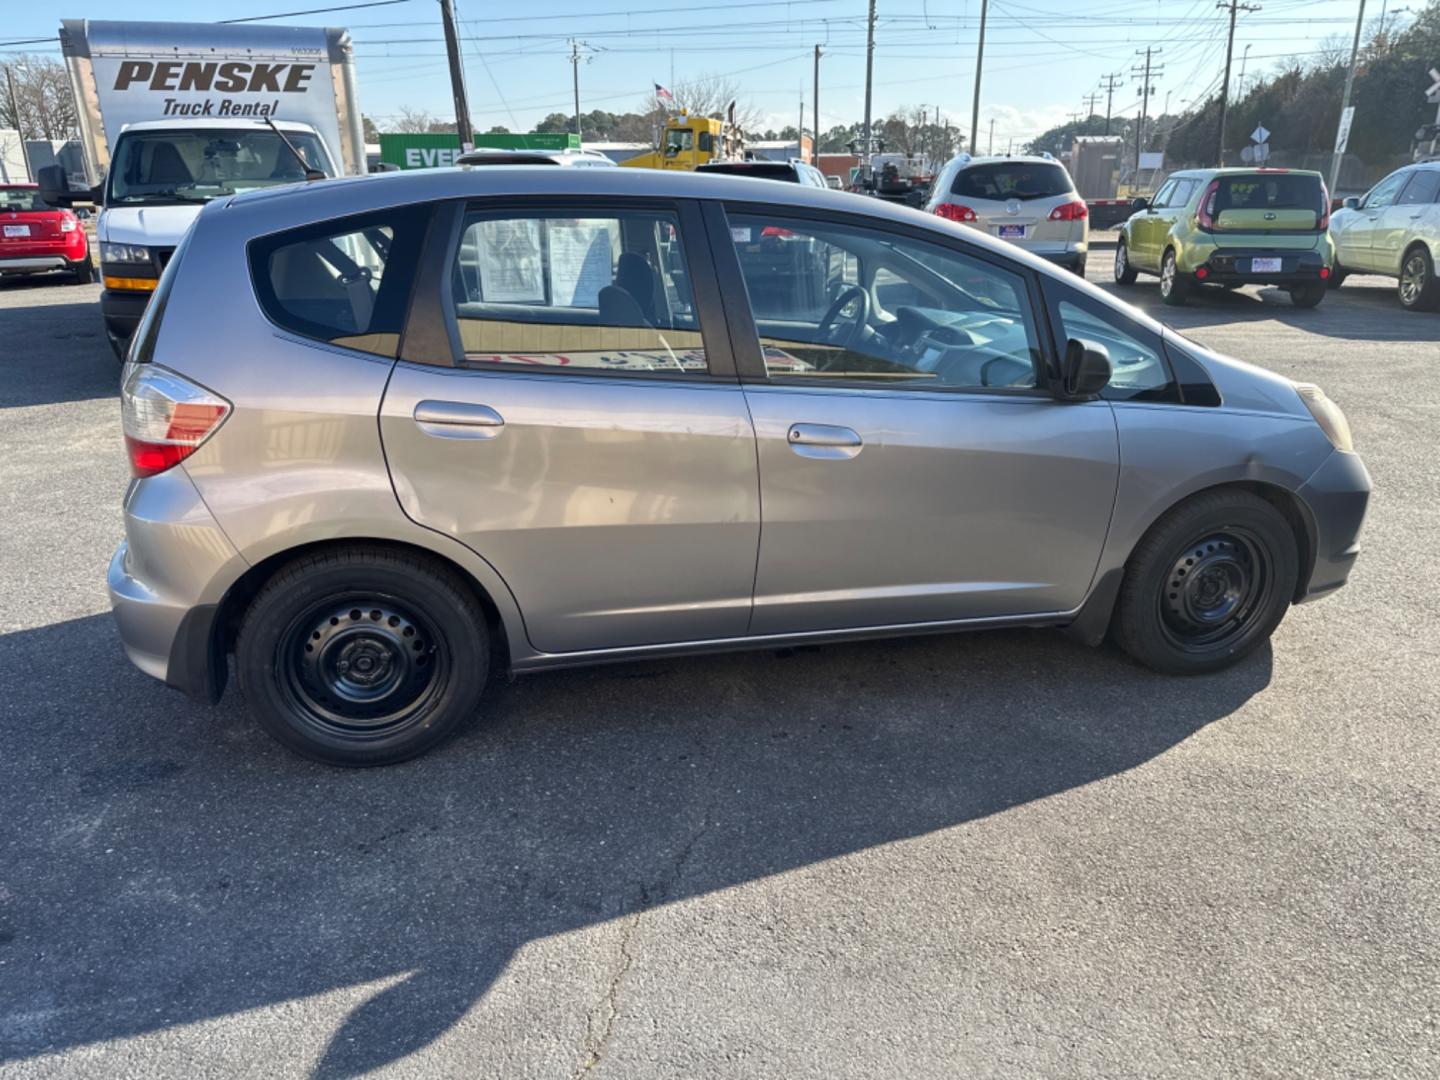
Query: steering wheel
x,y
846,330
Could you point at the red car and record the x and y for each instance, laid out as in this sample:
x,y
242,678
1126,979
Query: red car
x,y
35,238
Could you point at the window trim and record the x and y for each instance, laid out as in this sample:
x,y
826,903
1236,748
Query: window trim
x,y
435,302
745,334
1058,292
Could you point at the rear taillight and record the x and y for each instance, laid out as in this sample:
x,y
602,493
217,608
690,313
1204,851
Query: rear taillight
x,y
1324,207
1070,211
68,222
1205,213
165,417
955,212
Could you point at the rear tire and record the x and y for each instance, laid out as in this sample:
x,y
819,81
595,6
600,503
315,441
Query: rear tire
x,y
84,272
1125,274
1174,286
1419,291
363,656
1337,278
1307,296
1208,584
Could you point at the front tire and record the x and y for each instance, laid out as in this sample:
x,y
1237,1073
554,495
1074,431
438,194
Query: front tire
x,y
1174,285
1208,584
363,656
1125,273
1419,291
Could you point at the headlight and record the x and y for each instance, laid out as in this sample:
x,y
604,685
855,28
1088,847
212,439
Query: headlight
x,y
1328,415
124,253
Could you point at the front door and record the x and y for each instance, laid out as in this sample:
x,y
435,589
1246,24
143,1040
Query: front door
x,y
1361,236
585,432
911,470
1148,229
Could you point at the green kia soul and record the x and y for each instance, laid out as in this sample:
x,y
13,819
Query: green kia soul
x,y
1231,227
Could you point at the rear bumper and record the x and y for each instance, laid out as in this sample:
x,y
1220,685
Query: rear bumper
x,y
1337,495
32,264
166,580
1070,260
1233,266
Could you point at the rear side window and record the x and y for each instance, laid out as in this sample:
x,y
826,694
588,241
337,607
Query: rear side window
x,y
603,292
1013,180
345,281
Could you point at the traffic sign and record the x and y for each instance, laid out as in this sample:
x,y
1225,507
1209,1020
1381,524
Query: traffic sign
x,y
1259,135
1433,94
1342,133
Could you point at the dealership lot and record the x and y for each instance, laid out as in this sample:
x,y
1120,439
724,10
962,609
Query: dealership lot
x,y
998,854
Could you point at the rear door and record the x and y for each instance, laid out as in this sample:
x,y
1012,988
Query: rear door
x,y
566,406
911,470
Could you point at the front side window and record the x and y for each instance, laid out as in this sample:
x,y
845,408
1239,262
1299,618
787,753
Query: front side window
x,y
600,293
840,304
1181,195
677,140
345,282
1137,368
1162,197
1384,193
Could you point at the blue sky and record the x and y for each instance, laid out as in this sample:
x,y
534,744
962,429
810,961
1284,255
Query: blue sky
x,y
1042,57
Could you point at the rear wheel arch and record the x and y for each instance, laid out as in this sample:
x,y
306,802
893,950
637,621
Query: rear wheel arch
x,y
237,599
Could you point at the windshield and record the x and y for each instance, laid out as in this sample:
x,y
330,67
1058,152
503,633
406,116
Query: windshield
x,y
19,199
196,166
1013,180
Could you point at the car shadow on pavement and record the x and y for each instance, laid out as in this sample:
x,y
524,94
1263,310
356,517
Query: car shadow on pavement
x,y
166,864
65,355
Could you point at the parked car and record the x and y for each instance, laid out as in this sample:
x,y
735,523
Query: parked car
x,y
480,419
575,159
792,171
1231,227
36,238
1394,230
1029,201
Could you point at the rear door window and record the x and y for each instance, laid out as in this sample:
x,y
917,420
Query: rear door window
x,y
346,281
588,293
1423,188
1013,180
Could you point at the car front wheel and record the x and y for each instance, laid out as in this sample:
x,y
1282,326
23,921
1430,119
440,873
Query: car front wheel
x,y
363,655
1208,584
1124,272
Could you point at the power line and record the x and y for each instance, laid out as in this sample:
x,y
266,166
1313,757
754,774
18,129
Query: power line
x,y
313,11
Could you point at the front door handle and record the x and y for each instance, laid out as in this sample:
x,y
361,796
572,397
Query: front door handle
x,y
458,420
825,441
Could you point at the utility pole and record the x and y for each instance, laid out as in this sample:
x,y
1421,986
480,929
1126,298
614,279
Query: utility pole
x,y
1144,93
1234,6
815,110
1111,82
1091,100
457,77
575,57
1349,82
800,130
990,148
19,131
979,66
869,74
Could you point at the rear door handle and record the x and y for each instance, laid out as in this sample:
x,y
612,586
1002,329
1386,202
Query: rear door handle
x,y
458,420
825,441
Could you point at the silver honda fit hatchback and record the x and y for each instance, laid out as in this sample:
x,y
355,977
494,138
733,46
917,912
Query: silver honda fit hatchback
x,y
395,434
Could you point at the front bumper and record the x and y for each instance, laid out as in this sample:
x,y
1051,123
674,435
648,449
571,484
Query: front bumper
x,y
1337,495
166,580
1232,266
122,311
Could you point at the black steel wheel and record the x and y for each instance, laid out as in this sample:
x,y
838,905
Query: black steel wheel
x,y
1208,583
363,655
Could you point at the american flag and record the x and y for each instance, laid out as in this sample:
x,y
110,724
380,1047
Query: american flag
x,y
661,94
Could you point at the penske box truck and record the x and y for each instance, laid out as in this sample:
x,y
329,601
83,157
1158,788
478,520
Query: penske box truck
x,y
174,115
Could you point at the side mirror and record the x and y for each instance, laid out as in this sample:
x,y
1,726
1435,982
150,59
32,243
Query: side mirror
x,y
1139,203
54,186
1352,202
1084,370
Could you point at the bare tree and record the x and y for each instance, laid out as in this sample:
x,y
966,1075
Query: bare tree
x,y
42,98
411,120
706,95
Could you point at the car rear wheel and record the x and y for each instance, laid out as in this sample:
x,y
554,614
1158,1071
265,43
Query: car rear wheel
x,y
1208,584
1337,278
1419,291
84,271
363,656
1124,273
1174,286
1307,295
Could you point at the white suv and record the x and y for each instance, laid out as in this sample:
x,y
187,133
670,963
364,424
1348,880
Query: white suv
x,y
1029,201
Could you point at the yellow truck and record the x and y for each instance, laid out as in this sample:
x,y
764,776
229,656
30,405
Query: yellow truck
x,y
693,140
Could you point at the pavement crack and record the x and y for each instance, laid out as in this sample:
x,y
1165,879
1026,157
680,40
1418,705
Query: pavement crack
x,y
596,1047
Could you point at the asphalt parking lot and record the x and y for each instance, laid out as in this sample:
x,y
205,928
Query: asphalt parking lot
x,y
987,855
